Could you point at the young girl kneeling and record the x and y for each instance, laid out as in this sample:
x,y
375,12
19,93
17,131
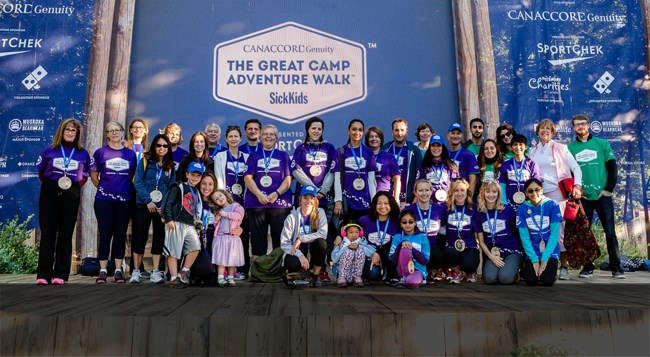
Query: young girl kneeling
x,y
410,251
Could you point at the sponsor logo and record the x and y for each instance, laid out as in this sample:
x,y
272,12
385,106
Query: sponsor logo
x,y
586,155
3,162
563,16
581,52
27,8
606,127
59,164
22,164
501,226
533,226
603,83
273,163
117,164
15,125
289,72
31,81
434,226
351,163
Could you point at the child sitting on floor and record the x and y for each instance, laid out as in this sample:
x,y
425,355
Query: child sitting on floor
x,y
351,254
410,251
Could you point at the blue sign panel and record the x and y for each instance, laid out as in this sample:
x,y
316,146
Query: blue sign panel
x,y
44,50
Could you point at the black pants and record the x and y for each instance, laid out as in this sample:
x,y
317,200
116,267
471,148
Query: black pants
x,y
548,276
317,249
112,223
390,269
436,255
604,206
260,220
57,217
142,219
245,241
468,259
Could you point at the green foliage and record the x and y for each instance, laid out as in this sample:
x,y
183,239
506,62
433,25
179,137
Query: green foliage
x,y
16,258
540,350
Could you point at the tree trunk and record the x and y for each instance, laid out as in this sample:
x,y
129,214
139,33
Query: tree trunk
x,y
466,63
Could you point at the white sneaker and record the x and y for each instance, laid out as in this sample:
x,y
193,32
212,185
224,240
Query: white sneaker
x,y
564,274
156,277
472,278
135,277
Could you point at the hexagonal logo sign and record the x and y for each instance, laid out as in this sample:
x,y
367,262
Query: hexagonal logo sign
x,y
289,72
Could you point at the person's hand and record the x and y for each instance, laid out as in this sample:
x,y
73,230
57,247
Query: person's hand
x,y
262,198
152,207
542,266
576,192
375,260
353,246
171,225
338,240
605,194
407,245
296,246
536,268
338,208
304,263
497,261
320,196
237,231
270,199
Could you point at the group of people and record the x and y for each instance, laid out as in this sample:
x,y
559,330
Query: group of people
x,y
406,213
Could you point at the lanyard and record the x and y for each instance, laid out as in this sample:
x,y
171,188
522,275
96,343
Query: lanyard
x,y
425,224
248,147
382,235
399,153
459,219
541,220
438,174
493,228
138,153
312,153
235,163
456,156
195,201
356,159
216,150
267,161
518,172
158,174
306,228
66,159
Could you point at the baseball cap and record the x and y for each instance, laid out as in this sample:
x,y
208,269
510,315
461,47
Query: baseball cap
x,y
196,167
455,126
309,190
436,139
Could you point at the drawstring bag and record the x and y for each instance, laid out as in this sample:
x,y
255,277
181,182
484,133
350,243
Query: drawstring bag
x,y
566,187
571,210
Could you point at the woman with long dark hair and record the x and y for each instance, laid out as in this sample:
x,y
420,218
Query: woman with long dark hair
x,y
198,153
438,168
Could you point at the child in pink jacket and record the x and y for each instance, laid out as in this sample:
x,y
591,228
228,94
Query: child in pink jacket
x,y
227,249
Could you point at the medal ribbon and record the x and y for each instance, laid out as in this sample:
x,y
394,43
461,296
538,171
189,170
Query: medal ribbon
x,y
235,164
541,220
518,172
248,147
492,228
385,231
459,220
425,224
66,160
438,174
399,153
313,154
158,174
356,159
139,153
267,161
195,201
306,228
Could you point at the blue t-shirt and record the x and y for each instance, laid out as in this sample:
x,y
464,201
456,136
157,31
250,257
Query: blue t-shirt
x,y
532,232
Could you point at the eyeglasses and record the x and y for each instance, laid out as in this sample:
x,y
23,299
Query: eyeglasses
x,y
584,123
506,135
408,222
137,127
162,146
70,130
533,190
114,131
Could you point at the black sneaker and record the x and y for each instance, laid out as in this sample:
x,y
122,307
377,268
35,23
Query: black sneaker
x,y
101,279
177,283
318,283
586,273
185,277
619,274
119,277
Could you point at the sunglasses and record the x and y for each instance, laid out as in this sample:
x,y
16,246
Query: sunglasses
x,y
162,146
506,135
408,222
533,190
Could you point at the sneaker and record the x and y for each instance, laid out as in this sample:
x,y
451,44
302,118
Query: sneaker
x,y
145,274
231,282
41,282
449,274
564,273
586,273
222,282
177,283
156,277
185,277
455,277
239,276
392,282
101,278
58,281
342,283
430,280
401,283
324,277
358,282
318,283
439,275
119,277
472,278
619,274
135,277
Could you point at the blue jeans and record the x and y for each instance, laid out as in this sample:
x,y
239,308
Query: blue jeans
x,y
604,207
506,274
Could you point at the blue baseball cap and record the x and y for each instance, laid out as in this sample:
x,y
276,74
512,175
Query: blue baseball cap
x,y
196,167
436,139
455,126
309,190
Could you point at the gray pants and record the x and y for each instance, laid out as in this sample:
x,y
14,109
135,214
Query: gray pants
x,y
505,275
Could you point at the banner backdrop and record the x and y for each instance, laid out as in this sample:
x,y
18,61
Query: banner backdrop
x,y
44,49
556,59
223,61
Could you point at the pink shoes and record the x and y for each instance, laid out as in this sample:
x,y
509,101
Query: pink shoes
x,y
41,282
58,281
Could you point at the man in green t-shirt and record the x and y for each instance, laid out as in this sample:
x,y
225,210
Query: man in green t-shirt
x,y
476,126
599,174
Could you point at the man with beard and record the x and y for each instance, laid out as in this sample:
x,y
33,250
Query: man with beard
x,y
476,126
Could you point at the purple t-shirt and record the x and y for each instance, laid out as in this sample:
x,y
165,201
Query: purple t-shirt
x,y
375,237
178,155
466,162
440,175
215,150
386,168
235,176
504,230
356,168
515,179
459,223
434,219
401,155
116,169
247,149
306,156
52,164
278,165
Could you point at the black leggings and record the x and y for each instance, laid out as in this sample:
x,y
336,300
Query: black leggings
x,y
112,223
548,276
468,259
317,248
142,218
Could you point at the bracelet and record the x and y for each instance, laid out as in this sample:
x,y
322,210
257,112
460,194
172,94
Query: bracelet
x,y
277,193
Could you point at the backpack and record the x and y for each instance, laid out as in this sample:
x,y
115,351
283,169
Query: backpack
x,y
268,268
300,279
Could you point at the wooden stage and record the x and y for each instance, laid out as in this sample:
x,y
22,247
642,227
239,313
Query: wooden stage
x,y
598,316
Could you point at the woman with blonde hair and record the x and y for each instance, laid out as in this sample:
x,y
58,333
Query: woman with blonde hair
x,y
138,138
495,228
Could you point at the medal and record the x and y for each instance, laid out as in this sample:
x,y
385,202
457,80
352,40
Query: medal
x,y
459,245
542,246
156,196
266,181
236,189
441,195
411,266
495,251
65,183
359,184
315,170
519,197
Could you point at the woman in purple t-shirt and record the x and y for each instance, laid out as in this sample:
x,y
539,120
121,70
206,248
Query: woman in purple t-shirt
x,y
388,173
268,196
63,169
438,168
112,173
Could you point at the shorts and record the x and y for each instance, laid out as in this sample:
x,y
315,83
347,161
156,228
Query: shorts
x,y
181,240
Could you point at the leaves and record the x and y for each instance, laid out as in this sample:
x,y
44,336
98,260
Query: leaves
x,y
16,258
